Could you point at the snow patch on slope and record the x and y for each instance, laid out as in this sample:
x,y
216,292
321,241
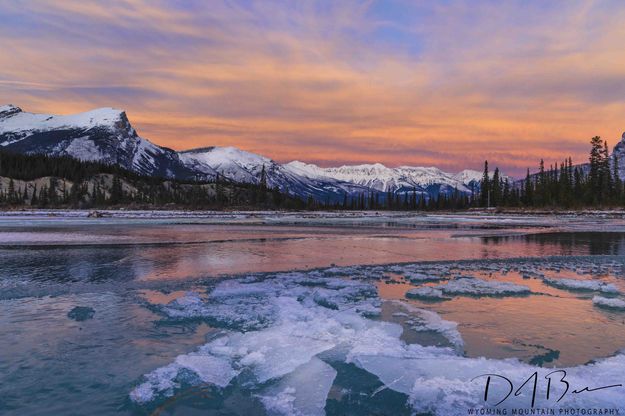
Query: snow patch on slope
x,y
233,163
380,177
83,148
22,121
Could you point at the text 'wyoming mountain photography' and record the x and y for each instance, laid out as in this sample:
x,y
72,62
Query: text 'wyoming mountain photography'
x,y
306,208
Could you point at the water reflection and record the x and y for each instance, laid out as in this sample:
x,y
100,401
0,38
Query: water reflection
x,y
567,243
549,321
165,253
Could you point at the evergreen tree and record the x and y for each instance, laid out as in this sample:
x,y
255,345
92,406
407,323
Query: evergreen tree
x,y
541,185
496,188
528,193
596,163
485,187
263,178
506,197
11,191
33,200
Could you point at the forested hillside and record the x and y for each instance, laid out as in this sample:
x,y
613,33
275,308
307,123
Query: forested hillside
x,y
42,181
596,184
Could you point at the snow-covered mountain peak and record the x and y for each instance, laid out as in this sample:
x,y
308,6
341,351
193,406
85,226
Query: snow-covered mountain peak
x,y
228,161
106,135
100,116
380,177
469,175
368,168
16,120
9,109
218,156
307,170
103,135
296,164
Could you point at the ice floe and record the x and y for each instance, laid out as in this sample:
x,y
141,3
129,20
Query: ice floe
x,y
586,285
609,303
300,327
422,320
283,334
479,287
302,392
416,277
426,293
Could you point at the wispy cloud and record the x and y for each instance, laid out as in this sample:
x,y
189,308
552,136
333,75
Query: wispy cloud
x,y
401,82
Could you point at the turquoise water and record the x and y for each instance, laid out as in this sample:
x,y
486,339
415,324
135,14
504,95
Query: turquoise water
x,y
52,364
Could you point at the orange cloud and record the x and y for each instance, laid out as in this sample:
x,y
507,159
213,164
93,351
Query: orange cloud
x,y
341,82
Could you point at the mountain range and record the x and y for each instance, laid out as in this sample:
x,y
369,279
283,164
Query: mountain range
x,y
106,135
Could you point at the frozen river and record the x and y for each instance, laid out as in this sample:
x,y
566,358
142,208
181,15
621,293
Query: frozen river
x,y
300,313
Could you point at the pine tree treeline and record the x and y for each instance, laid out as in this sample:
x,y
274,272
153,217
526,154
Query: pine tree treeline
x,y
404,200
155,192
562,185
78,184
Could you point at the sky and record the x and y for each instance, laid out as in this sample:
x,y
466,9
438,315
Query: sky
x,y
401,82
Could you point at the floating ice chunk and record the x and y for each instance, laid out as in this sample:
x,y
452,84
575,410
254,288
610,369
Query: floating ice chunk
x,y
279,350
610,303
243,307
302,392
582,285
163,381
281,403
301,329
415,277
210,369
344,271
478,287
160,381
426,293
277,358
338,293
441,384
422,320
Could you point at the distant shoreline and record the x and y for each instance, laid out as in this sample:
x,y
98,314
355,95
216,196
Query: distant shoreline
x,y
169,211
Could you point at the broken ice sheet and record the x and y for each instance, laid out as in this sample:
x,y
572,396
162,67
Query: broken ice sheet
x,y
609,303
301,327
426,293
478,287
295,326
582,285
302,392
311,319
209,369
418,277
422,320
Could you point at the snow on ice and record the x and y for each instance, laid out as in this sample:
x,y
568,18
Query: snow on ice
x,y
586,285
477,287
282,335
609,303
